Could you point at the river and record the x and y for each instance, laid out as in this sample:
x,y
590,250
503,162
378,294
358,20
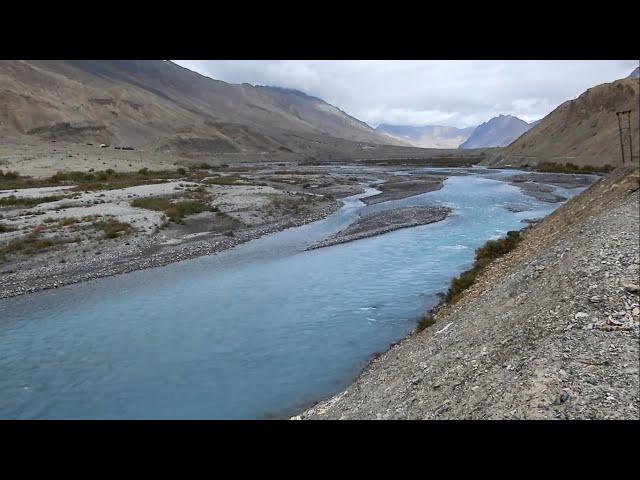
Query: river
x,y
259,331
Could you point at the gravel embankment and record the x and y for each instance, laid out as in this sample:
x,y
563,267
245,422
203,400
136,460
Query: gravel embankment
x,y
384,222
549,331
403,187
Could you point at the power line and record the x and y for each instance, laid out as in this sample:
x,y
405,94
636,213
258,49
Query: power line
x,y
625,133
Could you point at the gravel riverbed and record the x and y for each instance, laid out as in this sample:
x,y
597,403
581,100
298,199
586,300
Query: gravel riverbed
x,y
384,222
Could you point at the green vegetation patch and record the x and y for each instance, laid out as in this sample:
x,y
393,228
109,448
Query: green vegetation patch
x,y
175,211
90,180
425,322
484,256
67,221
8,175
13,201
6,228
113,228
294,204
32,243
201,166
110,179
228,180
463,160
554,167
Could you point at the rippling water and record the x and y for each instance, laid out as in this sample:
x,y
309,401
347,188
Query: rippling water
x,y
259,331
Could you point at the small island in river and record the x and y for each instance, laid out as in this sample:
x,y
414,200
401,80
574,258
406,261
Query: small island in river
x,y
379,223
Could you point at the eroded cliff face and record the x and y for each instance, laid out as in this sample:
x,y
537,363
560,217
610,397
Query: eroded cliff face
x,y
550,330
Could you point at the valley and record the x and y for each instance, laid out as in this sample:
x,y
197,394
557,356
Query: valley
x,y
175,246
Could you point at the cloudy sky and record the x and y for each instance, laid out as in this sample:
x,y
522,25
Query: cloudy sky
x,y
455,93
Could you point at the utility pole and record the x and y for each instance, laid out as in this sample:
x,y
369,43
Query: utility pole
x,y
624,127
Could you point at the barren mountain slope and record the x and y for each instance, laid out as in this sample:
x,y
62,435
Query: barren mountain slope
x,y
549,330
497,132
583,131
157,103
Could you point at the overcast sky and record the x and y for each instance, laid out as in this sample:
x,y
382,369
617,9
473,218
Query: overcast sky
x,y
456,93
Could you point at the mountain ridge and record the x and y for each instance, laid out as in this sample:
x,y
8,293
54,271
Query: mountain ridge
x,y
583,131
498,131
152,103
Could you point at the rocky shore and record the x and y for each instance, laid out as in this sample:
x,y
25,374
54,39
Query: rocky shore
x,y
548,331
140,253
384,222
406,186
541,185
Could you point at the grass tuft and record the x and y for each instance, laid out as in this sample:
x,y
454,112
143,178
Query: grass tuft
x,y
89,180
6,228
175,211
29,244
113,228
554,167
13,201
425,322
484,256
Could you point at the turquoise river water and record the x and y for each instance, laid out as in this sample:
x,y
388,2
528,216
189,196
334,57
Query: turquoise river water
x,y
259,331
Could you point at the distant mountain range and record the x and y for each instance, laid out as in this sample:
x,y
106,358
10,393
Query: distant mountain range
x,y
635,73
497,132
428,136
163,106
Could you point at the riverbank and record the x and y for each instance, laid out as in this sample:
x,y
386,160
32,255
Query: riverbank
x,y
550,330
406,186
386,221
541,185
64,233
138,254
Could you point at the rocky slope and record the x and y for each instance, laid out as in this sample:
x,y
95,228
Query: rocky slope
x,y
549,330
583,131
158,103
497,132
428,136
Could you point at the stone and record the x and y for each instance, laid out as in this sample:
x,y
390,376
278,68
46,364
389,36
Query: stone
x,y
631,288
581,315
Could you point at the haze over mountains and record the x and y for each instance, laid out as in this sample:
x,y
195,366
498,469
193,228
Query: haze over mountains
x,y
160,104
496,132
428,136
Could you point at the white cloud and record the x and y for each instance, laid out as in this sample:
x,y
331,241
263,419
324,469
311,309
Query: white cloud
x,y
457,93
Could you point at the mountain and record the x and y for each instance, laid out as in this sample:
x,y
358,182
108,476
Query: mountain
x,y
583,131
497,132
161,105
428,136
635,73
